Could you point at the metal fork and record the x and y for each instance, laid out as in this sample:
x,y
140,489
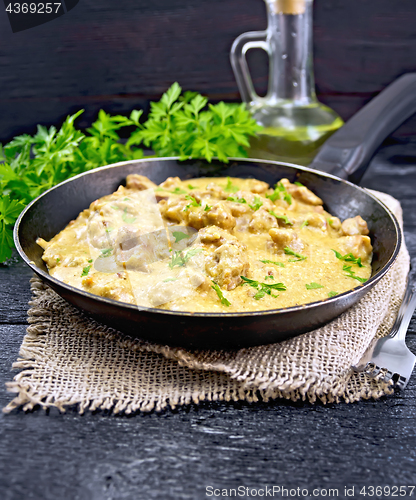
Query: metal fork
x,y
391,353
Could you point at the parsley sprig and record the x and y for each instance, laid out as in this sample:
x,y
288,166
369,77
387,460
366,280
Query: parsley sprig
x,y
280,193
283,217
263,288
349,257
183,125
180,258
299,257
313,286
224,301
351,274
266,261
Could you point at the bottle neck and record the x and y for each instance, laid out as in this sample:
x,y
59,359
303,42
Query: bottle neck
x,y
289,36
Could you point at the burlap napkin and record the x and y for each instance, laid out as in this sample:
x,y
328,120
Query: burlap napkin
x,y
69,359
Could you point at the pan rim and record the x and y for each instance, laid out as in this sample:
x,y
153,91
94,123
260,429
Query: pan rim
x,y
152,310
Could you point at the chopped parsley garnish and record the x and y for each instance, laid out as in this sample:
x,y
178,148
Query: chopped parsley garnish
x,y
332,294
299,257
280,192
304,223
107,252
297,183
223,300
58,260
263,288
126,199
236,200
207,207
108,229
85,270
89,260
351,274
269,277
280,264
179,235
191,187
330,221
256,204
114,207
180,259
127,218
169,279
230,188
193,203
178,190
349,257
283,217
313,286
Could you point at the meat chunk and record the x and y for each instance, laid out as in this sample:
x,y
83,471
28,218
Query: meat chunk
x,y
317,220
301,193
282,237
219,215
262,221
174,209
256,186
359,245
227,263
356,225
139,182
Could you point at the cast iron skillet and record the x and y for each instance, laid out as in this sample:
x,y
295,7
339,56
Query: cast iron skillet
x,y
346,153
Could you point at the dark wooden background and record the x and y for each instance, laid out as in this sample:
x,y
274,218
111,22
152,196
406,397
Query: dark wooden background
x,y
118,55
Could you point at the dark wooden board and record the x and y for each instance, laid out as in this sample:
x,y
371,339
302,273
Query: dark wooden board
x,y
175,455
119,55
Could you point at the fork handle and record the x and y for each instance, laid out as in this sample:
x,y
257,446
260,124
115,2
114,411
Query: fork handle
x,y
405,312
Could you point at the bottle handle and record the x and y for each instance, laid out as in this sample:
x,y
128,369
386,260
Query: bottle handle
x,y
349,150
239,49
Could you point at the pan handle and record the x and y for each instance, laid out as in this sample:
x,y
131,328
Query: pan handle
x,y
348,152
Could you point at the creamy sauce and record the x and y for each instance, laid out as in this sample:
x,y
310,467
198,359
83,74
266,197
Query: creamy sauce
x,y
211,245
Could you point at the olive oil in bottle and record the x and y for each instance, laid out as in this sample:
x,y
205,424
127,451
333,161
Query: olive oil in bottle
x,y
295,123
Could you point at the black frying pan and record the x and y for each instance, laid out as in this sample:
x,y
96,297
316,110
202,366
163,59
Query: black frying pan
x,y
346,153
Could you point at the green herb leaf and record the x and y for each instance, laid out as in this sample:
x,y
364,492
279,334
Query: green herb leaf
x,y
236,200
106,252
230,188
193,203
280,264
263,288
351,274
256,204
127,218
279,193
179,235
332,294
297,183
299,257
167,280
217,289
180,258
313,286
304,223
178,190
283,217
207,207
349,257
85,270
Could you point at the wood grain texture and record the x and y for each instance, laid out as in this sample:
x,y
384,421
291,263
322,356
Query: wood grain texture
x,y
119,55
175,455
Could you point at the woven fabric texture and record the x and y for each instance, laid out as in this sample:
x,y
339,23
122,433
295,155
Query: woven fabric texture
x,y
68,359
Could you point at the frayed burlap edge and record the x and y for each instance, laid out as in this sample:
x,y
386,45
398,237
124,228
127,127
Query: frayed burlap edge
x,y
158,376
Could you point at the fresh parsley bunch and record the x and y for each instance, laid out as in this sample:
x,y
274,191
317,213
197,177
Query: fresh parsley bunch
x,y
183,125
